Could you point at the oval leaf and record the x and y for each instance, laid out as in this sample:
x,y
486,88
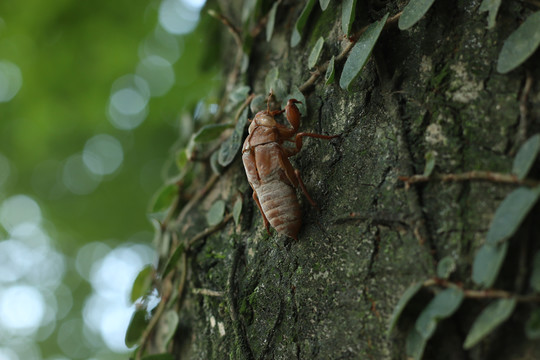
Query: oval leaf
x,y
443,305
360,53
271,21
330,71
168,326
301,23
142,283
173,260
532,327
402,303
415,345
521,44
347,15
136,327
324,4
273,84
315,53
510,214
238,95
210,132
181,159
487,263
446,267
216,212
237,210
492,316
493,7
525,157
430,163
232,145
413,12
164,198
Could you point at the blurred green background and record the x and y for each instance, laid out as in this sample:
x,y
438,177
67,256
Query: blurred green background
x,y
92,98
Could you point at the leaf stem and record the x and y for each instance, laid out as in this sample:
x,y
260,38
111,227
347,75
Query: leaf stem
x,y
506,178
482,294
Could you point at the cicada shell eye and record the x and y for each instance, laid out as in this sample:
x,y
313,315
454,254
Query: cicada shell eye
x,y
266,120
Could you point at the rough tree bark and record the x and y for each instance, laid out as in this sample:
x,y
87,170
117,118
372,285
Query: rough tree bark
x,y
431,89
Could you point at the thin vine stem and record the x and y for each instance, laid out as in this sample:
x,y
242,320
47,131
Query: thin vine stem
x,y
482,294
470,175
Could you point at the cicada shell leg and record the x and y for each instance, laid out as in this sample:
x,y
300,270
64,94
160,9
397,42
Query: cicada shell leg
x,y
304,189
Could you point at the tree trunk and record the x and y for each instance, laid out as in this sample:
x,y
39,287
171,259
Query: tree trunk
x,y
430,93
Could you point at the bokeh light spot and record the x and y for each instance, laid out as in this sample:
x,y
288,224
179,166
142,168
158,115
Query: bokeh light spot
x,y
10,80
163,44
77,178
178,17
108,310
158,72
71,339
21,309
128,104
103,154
11,254
18,209
8,354
88,255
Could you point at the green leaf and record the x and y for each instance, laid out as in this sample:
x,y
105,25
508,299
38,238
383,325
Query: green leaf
x,y
443,305
169,326
271,21
210,132
273,84
271,78
532,327
301,23
330,71
415,344
142,283
136,327
430,163
521,44
402,303
181,159
239,94
324,4
492,316
173,260
230,147
237,210
446,267
315,53
535,275
347,15
214,163
216,212
493,7
164,198
159,357
526,156
413,12
487,263
510,214
296,94
360,53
